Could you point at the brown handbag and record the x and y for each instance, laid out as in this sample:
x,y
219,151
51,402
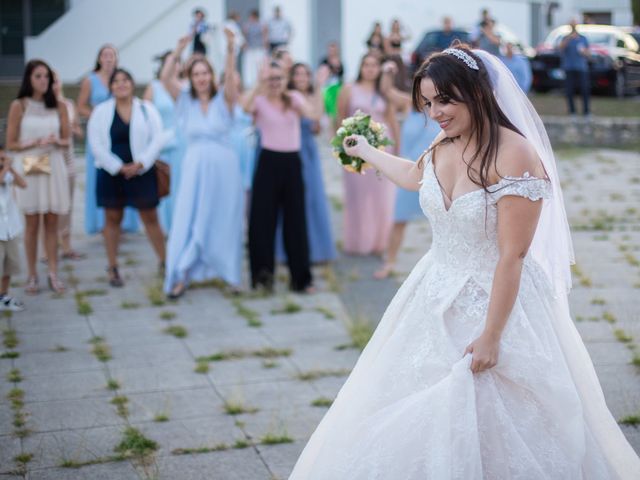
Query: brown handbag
x,y
163,175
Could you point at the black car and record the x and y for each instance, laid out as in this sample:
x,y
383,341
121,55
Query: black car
x,y
614,64
430,43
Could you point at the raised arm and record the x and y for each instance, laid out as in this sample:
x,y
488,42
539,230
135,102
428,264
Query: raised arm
x,y
84,108
404,173
168,75
230,80
247,101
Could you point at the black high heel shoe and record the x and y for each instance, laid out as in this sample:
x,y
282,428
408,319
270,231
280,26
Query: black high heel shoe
x,y
114,277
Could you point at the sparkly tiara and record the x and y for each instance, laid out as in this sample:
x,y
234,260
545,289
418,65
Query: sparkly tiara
x,y
464,56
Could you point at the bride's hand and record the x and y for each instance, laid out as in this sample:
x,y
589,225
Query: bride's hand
x,y
355,145
484,352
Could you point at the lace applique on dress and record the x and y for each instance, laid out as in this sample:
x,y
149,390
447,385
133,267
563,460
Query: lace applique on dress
x,y
533,188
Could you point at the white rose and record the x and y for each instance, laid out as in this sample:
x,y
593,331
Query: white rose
x,y
341,131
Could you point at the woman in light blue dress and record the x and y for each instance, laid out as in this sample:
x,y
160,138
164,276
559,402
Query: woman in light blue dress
x,y
173,152
415,138
321,245
94,91
205,241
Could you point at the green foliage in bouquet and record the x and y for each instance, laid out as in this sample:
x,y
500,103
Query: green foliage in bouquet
x,y
358,124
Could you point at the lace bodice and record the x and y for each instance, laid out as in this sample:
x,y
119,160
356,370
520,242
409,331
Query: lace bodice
x,y
465,235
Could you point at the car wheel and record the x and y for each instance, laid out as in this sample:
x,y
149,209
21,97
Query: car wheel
x,y
619,87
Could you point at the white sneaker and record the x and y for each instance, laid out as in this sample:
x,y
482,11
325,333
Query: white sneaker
x,y
11,304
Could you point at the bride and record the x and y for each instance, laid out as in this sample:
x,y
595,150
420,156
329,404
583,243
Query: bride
x,y
476,370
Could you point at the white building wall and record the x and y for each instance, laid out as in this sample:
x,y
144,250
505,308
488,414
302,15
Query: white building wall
x,y
299,13
140,29
358,17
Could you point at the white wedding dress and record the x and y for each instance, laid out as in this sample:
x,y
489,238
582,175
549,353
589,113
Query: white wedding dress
x,y
411,409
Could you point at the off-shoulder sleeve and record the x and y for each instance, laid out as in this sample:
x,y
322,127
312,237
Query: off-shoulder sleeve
x,y
533,188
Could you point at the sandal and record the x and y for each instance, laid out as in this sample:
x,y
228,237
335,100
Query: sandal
x,y
177,291
31,287
73,255
384,272
55,284
114,277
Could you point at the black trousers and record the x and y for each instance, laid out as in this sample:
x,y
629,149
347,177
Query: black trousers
x,y
577,78
278,188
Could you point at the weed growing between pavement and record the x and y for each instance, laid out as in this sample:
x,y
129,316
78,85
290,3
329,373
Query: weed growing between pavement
x,y
322,402
16,400
289,307
21,461
112,384
329,276
83,306
14,376
598,301
270,364
328,314
235,405
59,349
100,349
202,366
583,279
155,294
622,336
135,445
167,315
10,338
10,354
630,420
121,402
267,352
322,373
177,331
251,316
161,417
125,305
360,331
609,317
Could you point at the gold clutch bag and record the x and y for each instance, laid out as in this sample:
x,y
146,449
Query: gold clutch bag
x,y
33,164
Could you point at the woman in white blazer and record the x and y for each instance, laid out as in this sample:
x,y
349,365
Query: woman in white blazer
x,y
126,136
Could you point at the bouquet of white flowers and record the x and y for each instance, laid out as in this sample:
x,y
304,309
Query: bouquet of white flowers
x,y
358,124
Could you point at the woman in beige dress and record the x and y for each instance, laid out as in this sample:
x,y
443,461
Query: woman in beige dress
x,y
38,134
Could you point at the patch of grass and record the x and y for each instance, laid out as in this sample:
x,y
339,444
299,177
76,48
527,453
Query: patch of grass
x,y
126,305
360,331
220,447
216,283
267,352
598,301
83,306
202,366
322,402
167,315
16,397
316,374
156,295
632,259
329,276
609,317
10,340
59,349
14,376
622,336
636,360
289,307
240,444
94,461
95,292
328,314
237,407
130,262
121,402
275,439
23,458
112,384
630,420
101,349
270,364
135,444
10,354
251,316
177,331
161,417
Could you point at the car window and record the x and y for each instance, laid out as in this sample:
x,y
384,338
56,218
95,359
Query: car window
x,y
594,38
631,43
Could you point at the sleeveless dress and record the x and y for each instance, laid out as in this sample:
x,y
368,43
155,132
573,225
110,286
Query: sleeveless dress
x,y
172,153
369,199
45,193
413,410
94,215
321,246
205,241
416,138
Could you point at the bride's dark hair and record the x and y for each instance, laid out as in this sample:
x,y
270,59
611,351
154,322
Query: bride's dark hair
x,y
454,79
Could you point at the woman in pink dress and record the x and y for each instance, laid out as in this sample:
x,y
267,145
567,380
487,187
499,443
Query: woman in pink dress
x,y
369,199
